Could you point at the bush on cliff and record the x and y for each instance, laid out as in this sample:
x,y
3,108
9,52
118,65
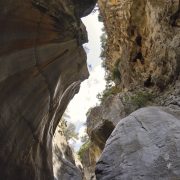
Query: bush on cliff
x,y
84,148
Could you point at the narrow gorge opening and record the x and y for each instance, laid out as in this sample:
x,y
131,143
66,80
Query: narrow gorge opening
x,y
72,127
125,121
134,78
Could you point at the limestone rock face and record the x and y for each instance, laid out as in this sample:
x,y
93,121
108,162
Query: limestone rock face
x,y
102,120
42,64
89,159
143,41
142,50
170,100
65,164
144,145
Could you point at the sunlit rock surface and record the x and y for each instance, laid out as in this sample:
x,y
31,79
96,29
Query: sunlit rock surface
x,y
145,145
89,158
143,41
42,63
66,165
143,50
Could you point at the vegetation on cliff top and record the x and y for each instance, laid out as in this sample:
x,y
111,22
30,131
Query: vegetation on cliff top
x,y
111,90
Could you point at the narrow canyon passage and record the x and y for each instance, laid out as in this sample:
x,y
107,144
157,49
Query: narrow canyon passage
x,y
124,123
75,115
129,59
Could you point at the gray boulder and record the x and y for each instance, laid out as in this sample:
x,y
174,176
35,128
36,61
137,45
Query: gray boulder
x,y
145,145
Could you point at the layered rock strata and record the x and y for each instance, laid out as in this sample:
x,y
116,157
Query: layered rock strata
x,y
143,41
42,63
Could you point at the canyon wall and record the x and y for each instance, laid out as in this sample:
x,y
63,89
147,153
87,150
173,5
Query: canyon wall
x,y
89,155
42,63
141,56
66,165
143,41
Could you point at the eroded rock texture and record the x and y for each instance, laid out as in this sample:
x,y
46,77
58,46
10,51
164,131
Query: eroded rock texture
x,y
143,41
66,165
145,145
42,64
141,56
102,120
89,158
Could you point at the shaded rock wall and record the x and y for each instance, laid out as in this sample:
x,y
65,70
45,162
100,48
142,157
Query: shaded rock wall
x,y
42,64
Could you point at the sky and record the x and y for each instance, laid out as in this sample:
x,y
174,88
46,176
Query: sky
x,y
86,98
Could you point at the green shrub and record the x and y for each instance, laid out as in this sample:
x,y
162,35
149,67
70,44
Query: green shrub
x,y
107,92
103,40
88,112
116,75
83,149
141,99
100,18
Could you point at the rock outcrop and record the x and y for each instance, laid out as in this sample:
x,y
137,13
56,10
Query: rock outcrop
x,y
89,157
101,120
145,145
141,56
143,41
42,63
65,164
